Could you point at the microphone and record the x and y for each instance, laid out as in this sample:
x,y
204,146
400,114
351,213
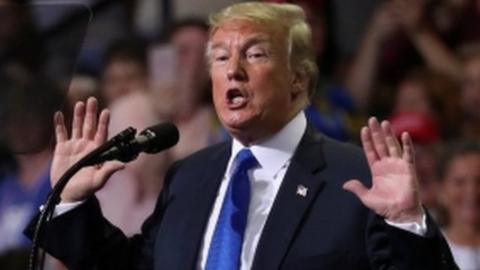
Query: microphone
x,y
152,140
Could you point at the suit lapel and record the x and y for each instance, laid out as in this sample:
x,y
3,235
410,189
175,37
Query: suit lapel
x,y
205,194
297,192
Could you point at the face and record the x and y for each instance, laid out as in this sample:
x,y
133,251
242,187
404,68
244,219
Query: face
x,y
190,43
461,189
36,137
122,77
471,88
411,97
254,90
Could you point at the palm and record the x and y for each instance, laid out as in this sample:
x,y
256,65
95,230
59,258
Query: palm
x,y
66,155
394,193
392,182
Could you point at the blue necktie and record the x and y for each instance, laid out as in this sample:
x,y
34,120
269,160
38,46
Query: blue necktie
x,y
226,244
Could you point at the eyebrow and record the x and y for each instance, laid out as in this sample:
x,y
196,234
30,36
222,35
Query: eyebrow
x,y
256,41
250,42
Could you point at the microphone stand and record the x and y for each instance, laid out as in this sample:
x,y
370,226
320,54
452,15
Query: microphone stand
x,y
54,196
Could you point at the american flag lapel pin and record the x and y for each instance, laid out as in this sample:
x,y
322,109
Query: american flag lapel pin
x,y
302,190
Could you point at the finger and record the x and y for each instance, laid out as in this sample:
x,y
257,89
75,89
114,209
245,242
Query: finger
x,y
378,138
367,144
90,122
78,115
61,134
102,129
393,145
357,188
408,152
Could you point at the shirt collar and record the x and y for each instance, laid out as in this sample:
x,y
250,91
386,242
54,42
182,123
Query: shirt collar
x,y
277,150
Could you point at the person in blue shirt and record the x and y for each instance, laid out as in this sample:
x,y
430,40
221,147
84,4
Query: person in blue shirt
x,y
28,102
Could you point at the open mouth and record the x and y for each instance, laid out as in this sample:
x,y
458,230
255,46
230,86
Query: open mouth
x,y
236,98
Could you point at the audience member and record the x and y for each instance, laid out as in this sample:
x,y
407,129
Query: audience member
x,y
427,106
459,175
433,95
28,104
130,197
331,109
187,101
125,91
404,34
20,41
125,69
470,96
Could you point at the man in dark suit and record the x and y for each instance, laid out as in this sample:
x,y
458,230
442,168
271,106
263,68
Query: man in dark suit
x,y
288,208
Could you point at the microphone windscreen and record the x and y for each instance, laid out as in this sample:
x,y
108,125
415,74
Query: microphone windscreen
x,y
161,136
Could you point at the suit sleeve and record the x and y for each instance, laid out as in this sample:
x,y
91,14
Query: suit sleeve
x,y
83,239
392,248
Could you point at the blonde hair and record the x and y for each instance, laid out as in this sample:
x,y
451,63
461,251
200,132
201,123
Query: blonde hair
x,y
288,19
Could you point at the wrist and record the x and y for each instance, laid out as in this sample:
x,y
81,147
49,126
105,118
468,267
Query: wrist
x,y
414,215
67,200
72,198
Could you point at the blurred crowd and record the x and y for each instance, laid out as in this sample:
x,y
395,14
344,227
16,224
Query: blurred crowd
x,y
417,64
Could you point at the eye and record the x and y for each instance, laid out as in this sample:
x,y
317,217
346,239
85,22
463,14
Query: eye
x,y
256,55
219,56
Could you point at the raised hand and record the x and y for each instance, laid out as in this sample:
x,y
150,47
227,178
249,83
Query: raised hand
x,y
410,14
384,22
394,192
87,134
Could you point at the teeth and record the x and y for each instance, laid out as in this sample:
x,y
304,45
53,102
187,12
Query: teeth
x,y
235,96
238,99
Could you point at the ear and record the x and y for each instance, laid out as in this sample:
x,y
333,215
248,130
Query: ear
x,y
300,82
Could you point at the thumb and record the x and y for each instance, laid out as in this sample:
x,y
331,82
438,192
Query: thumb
x,y
107,169
356,187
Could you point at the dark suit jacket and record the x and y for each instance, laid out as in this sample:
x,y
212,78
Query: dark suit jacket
x,y
327,229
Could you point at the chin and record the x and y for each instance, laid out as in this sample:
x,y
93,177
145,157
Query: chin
x,y
235,127
241,130
236,120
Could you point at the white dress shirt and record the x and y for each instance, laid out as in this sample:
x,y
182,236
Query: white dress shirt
x,y
274,156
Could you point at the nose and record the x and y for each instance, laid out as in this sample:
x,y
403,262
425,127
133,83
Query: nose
x,y
236,70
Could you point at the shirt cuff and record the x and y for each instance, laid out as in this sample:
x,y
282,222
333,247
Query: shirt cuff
x,y
417,228
64,207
